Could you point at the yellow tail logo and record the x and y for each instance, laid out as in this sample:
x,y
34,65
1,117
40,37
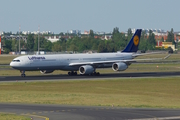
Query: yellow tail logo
x,y
136,40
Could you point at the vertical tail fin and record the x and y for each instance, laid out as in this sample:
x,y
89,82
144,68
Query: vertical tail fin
x,y
134,42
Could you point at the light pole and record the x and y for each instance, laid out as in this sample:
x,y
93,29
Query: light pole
x,y
38,39
19,39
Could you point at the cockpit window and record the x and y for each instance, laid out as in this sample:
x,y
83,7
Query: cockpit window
x,y
16,61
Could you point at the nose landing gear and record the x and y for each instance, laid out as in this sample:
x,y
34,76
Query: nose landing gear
x,y
23,73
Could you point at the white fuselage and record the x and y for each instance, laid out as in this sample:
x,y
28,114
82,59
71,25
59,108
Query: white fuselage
x,y
63,61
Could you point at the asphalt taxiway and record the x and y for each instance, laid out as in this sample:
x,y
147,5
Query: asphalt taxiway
x,y
62,112
79,77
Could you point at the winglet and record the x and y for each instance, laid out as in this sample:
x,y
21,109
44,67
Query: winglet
x,y
134,42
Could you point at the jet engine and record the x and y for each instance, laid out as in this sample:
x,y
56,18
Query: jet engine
x,y
119,66
46,71
86,69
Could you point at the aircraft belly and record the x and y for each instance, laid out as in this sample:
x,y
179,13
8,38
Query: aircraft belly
x,y
104,66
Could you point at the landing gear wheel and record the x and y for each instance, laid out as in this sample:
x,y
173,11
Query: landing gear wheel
x,y
75,73
95,74
72,73
23,74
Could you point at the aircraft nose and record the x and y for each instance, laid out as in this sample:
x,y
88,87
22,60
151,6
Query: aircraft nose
x,y
11,64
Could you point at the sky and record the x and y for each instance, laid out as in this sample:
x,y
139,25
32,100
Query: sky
x,y
99,15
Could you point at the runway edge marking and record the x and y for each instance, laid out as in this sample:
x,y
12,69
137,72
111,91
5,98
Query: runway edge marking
x,y
160,118
46,118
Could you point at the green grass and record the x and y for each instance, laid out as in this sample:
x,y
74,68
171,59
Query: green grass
x,y
132,92
4,116
6,59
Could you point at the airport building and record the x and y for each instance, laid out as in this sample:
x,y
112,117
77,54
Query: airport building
x,y
165,45
53,38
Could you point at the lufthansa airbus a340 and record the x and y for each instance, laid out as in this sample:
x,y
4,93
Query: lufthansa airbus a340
x,y
86,64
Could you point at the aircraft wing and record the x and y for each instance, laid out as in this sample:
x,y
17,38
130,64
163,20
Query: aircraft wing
x,y
153,59
142,54
98,62
115,61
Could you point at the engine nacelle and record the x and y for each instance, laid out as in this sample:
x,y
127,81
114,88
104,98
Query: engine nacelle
x,y
119,66
46,71
86,69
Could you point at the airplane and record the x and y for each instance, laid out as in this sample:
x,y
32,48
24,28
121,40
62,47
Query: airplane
x,y
86,64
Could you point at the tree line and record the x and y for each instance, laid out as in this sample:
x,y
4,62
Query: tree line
x,y
79,44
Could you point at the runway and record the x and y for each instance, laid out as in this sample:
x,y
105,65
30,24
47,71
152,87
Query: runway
x,y
79,77
62,112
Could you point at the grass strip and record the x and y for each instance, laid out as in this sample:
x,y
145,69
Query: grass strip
x,y
5,116
131,92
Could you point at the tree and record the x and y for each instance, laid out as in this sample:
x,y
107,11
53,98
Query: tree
x,y
61,34
48,46
122,41
143,42
162,39
30,42
56,47
36,44
170,37
110,47
22,44
8,46
94,46
73,48
63,45
151,41
91,34
129,33
81,47
115,31
14,45
102,47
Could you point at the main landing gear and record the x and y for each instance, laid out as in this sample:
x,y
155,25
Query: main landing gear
x,y
91,74
95,74
72,73
23,73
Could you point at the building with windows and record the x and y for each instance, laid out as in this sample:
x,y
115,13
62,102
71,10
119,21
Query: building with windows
x,y
165,45
74,32
53,38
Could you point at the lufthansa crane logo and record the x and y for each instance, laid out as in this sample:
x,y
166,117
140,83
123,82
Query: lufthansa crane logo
x,y
136,40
